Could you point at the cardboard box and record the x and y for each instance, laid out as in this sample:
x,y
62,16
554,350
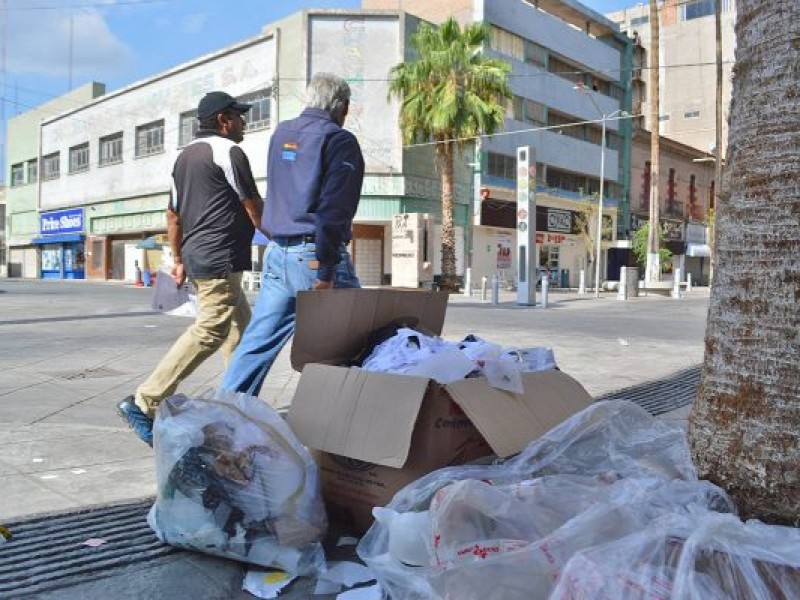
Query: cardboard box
x,y
377,432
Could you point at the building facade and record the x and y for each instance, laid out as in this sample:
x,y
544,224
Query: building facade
x,y
687,55
90,183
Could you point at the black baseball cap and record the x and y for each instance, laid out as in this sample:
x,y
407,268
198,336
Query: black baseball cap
x,y
214,102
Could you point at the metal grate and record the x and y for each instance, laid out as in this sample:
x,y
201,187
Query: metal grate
x,y
48,553
662,395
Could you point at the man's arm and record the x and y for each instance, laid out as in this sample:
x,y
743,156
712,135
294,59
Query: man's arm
x,y
339,196
175,235
254,207
245,185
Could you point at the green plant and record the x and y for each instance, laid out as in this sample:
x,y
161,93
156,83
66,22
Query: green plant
x,y
639,247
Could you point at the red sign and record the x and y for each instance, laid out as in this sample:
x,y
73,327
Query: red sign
x,y
522,214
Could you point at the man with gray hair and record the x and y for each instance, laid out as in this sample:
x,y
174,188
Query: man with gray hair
x,y
314,173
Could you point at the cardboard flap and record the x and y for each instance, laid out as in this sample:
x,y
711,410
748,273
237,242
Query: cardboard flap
x,y
333,326
345,411
509,422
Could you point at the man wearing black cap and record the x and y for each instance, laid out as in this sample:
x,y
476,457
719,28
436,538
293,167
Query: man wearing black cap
x,y
213,211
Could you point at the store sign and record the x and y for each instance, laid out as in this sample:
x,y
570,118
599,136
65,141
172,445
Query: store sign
x,y
559,220
61,221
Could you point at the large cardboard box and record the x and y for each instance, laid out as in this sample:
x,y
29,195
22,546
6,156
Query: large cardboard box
x,y
377,432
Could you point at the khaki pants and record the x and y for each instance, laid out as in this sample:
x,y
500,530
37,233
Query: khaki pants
x,y
223,315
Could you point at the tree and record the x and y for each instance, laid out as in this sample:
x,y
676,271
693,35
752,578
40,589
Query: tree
x,y
639,246
744,428
586,221
653,267
450,94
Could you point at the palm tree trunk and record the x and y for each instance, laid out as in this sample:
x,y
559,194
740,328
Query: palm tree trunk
x,y
718,135
653,267
744,428
449,280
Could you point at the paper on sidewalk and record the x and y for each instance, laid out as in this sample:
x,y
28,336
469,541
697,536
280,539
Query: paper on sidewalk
x,y
266,583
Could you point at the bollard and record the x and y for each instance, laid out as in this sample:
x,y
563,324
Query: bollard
x,y
484,281
676,284
688,282
495,289
582,283
468,281
545,289
622,292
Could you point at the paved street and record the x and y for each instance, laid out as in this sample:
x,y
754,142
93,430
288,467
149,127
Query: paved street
x,y
70,350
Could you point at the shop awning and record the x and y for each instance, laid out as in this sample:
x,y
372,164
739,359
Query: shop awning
x,y
698,250
58,239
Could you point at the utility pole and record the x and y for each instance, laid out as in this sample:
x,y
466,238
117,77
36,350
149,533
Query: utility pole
x,y
653,267
3,43
718,138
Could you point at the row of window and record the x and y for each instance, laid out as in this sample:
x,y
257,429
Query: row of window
x,y
149,140
515,46
697,9
688,114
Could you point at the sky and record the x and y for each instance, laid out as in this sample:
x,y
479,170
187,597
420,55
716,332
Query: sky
x,y
118,42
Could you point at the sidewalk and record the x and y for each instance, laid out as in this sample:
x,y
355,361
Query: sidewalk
x,y
68,358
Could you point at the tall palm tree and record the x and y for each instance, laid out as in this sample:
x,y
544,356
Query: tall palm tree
x,y
744,428
450,94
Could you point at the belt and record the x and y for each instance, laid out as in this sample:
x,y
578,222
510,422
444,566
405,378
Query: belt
x,y
293,240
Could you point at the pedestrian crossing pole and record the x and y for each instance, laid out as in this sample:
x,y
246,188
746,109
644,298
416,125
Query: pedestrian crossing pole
x,y
526,226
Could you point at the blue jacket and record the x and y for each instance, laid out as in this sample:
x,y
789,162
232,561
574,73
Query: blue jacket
x,y
314,174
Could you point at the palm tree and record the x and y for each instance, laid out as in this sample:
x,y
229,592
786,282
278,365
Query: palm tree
x,y
450,94
744,428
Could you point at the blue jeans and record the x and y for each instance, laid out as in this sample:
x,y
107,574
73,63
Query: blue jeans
x,y
286,272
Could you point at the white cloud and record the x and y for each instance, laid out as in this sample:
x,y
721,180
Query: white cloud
x,y
39,42
194,23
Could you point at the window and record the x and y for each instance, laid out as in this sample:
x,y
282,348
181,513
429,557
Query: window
x,y
563,69
500,165
17,174
507,43
51,165
111,149
150,138
691,114
258,116
696,9
33,171
79,158
535,54
188,127
663,118
535,113
637,21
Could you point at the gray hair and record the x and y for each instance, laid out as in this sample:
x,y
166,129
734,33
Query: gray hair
x,y
328,92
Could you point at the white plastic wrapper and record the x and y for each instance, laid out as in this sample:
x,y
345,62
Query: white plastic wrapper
x,y
507,525
234,481
695,555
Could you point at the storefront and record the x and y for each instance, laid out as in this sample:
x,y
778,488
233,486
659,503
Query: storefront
x,y
61,241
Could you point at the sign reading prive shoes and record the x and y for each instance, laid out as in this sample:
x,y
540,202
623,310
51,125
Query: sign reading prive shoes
x,y
61,221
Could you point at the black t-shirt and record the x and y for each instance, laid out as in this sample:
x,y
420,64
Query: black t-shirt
x,y
211,178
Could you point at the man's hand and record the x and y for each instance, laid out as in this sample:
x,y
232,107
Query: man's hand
x,y
178,273
322,285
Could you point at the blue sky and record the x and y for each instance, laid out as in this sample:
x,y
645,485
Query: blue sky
x,y
118,42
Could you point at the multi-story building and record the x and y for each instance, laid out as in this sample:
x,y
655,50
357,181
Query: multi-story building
x,y
687,55
553,47
105,162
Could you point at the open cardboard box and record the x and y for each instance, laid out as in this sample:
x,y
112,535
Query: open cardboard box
x,y
377,432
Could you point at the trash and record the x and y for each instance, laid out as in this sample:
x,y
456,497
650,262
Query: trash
x,y
623,342
173,299
347,540
232,480
94,542
5,534
696,555
78,471
266,584
505,529
408,535
347,573
372,592
38,460
326,587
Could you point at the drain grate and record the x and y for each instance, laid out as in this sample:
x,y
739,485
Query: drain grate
x,y
662,395
48,553
92,373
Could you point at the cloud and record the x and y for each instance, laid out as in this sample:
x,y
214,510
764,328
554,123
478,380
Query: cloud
x,y
194,23
39,43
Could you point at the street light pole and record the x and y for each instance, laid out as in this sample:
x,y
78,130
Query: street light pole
x,y
600,211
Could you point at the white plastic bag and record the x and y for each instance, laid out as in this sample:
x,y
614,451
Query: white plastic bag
x,y
234,481
694,555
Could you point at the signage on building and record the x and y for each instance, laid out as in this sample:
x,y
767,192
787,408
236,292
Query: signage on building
x,y
61,221
526,230
559,220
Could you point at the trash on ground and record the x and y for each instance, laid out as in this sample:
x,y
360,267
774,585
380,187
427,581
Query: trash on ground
x,y
347,540
372,592
266,584
508,529
5,534
324,587
347,573
233,481
94,542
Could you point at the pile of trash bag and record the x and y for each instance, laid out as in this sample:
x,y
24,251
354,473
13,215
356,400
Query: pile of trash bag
x,y
234,481
605,498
